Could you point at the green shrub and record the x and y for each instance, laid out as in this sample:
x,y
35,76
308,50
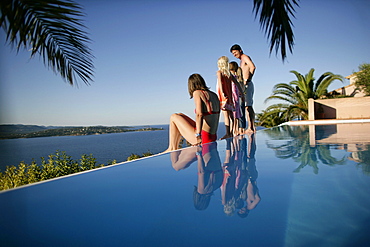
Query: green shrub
x,y
58,164
136,156
133,157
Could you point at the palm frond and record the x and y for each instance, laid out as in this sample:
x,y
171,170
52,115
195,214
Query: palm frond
x,y
284,86
275,20
286,99
54,30
297,74
276,106
324,82
306,83
301,99
284,92
274,115
296,111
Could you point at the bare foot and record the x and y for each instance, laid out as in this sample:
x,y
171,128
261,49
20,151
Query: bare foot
x,y
168,150
225,137
249,131
241,131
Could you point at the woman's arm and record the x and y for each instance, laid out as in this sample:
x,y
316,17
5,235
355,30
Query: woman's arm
x,y
198,115
219,84
253,198
201,183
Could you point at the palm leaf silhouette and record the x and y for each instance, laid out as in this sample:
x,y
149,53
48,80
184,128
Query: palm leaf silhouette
x,y
53,29
275,20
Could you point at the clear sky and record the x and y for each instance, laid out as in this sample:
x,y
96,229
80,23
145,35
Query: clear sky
x,y
145,51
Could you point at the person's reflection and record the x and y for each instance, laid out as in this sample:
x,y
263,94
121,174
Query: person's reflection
x,y
209,170
248,178
229,183
237,176
239,188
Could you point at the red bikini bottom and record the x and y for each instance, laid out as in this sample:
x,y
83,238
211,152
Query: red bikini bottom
x,y
207,137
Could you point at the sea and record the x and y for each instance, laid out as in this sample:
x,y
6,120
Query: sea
x,y
104,147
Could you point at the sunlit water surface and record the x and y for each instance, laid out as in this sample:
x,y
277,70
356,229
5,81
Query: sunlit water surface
x,y
285,186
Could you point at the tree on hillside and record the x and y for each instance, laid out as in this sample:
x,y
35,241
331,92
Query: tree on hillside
x,y
296,93
53,29
363,78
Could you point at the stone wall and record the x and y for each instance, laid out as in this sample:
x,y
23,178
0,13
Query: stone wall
x,y
342,108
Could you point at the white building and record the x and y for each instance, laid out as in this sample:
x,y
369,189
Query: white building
x,y
351,89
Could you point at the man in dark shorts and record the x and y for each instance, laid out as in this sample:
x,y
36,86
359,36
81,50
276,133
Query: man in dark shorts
x,y
248,69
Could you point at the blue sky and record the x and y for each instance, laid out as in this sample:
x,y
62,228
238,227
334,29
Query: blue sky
x,y
145,51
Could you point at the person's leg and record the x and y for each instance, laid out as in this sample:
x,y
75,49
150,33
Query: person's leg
x,y
183,159
253,117
243,120
227,124
250,116
236,126
180,125
249,107
232,123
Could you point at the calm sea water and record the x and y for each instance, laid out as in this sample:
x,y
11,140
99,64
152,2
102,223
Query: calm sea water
x,y
104,147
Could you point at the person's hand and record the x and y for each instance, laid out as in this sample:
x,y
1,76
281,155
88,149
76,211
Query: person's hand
x,y
199,141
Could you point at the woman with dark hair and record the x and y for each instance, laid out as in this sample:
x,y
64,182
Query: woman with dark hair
x,y
207,114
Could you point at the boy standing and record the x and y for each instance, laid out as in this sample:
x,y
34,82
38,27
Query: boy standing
x,y
248,69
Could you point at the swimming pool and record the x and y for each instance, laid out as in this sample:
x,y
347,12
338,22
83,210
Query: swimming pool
x,y
306,185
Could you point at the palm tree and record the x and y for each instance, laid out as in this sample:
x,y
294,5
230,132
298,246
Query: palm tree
x,y
274,18
53,29
273,115
297,92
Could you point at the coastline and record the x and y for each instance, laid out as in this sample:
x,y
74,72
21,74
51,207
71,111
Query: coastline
x,y
19,132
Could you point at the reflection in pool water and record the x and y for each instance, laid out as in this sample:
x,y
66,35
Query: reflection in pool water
x,y
362,158
308,144
313,180
236,176
298,148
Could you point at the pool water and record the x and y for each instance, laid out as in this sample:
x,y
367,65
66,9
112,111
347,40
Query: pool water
x,y
306,185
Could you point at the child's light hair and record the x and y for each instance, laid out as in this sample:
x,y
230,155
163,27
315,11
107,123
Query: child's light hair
x,y
223,65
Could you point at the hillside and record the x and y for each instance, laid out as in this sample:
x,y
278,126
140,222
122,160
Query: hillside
x,y
20,128
30,131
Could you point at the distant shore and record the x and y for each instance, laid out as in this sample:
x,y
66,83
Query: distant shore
x,y
32,131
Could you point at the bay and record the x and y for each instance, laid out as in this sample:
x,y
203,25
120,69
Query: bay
x,y
105,147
